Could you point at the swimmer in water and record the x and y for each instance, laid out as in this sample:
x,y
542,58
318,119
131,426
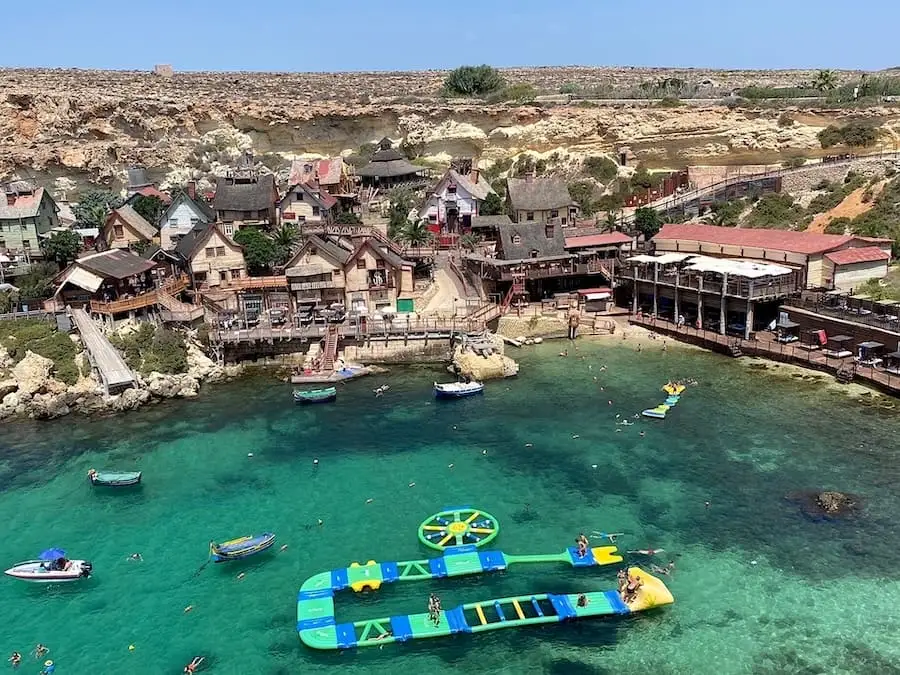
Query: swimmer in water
x,y
136,556
191,668
40,650
283,548
15,659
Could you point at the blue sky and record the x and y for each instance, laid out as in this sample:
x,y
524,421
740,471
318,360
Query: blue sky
x,y
418,34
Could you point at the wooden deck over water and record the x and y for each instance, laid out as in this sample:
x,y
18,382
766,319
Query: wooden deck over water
x,y
766,346
114,373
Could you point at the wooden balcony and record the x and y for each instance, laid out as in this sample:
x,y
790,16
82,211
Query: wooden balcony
x,y
251,283
172,287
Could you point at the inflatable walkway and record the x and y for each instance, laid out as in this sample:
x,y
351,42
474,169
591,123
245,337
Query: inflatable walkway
x,y
315,601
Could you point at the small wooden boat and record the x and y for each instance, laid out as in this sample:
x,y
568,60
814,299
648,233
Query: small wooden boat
x,y
52,567
114,479
315,395
457,389
240,548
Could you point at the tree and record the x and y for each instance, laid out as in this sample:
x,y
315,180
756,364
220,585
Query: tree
x,y
94,206
63,247
37,284
150,208
602,169
582,193
825,80
347,218
285,238
647,221
398,213
469,242
473,81
6,302
611,221
492,206
260,252
416,234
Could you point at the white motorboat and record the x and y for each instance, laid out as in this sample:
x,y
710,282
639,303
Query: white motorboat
x,y
457,389
51,569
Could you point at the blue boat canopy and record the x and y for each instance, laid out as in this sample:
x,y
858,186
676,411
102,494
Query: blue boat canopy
x,y
52,554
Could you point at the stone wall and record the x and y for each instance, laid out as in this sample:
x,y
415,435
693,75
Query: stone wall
x,y
801,181
433,351
532,326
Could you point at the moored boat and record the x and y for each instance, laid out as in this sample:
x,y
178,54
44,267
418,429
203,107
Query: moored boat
x,y
51,567
113,478
457,389
242,547
315,395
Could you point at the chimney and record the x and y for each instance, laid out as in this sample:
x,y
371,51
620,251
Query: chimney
x,y
10,198
192,189
475,175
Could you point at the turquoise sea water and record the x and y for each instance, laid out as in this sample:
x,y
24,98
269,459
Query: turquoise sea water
x,y
759,586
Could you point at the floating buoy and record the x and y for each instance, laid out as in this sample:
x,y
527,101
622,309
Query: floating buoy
x,y
283,548
752,562
188,608
131,648
368,501
316,461
241,576
412,485
575,436
594,466
454,427
320,522
249,454
450,466
484,452
529,445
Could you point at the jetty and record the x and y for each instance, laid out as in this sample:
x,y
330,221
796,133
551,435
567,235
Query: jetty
x,y
114,373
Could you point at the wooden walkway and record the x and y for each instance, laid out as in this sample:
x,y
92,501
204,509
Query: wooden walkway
x,y
765,346
114,373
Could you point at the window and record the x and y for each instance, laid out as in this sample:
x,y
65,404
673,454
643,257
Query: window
x,y
220,251
432,218
26,243
299,196
529,215
118,232
194,221
548,230
451,189
516,239
360,264
228,229
210,252
200,276
534,253
3,244
247,215
315,210
554,213
313,250
336,274
301,219
379,264
236,273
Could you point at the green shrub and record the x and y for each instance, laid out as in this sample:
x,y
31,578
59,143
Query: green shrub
x,y
837,226
776,211
582,193
854,134
473,81
785,120
793,162
148,349
670,102
518,93
569,88
602,169
41,337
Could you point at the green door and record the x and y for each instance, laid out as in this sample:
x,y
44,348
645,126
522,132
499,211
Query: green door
x,y
405,306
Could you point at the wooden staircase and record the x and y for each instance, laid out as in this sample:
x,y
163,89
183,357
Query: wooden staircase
x,y
734,348
846,373
329,353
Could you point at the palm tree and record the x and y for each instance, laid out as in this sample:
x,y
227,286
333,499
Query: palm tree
x,y
469,242
284,238
416,234
825,80
715,218
611,222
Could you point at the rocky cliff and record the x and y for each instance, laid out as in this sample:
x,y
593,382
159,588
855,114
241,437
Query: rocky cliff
x,y
88,126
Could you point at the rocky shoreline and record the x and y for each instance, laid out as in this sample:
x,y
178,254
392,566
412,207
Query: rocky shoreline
x,y
30,390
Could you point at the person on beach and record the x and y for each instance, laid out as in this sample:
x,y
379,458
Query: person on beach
x,y
15,659
191,668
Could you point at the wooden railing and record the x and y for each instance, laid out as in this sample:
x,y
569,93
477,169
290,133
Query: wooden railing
x,y
254,282
171,287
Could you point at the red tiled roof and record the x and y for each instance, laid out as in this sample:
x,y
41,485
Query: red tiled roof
x,y
848,256
780,240
151,191
607,239
327,200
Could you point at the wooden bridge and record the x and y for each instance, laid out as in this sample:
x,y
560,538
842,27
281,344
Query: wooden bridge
x,y
115,375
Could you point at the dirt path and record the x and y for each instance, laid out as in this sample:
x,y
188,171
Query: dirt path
x,y
851,206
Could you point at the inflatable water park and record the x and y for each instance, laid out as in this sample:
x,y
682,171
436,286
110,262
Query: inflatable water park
x,y
673,393
319,628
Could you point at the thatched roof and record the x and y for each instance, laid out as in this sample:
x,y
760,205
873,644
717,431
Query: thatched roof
x,y
538,194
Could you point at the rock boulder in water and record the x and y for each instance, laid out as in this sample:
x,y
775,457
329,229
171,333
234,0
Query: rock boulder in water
x,y
825,504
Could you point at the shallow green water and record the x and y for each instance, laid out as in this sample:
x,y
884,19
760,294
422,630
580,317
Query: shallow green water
x,y
759,587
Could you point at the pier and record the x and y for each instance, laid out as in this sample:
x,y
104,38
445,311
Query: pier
x,y
766,346
114,374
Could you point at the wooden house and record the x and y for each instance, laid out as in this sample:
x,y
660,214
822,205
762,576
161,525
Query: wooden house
x,y
126,228
210,258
